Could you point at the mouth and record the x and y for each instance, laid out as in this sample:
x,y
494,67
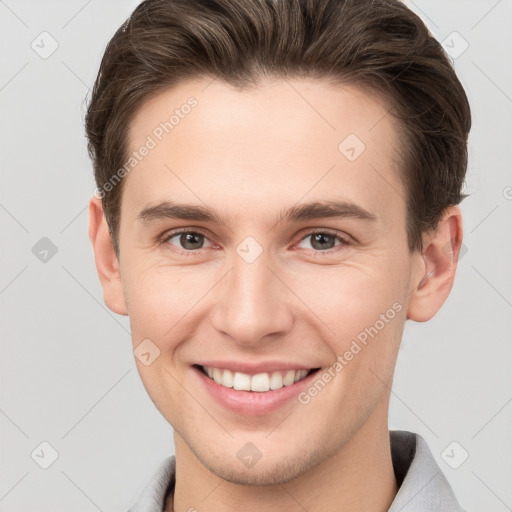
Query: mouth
x,y
259,383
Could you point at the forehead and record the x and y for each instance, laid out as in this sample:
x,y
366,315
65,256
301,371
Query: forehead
x,y
263,146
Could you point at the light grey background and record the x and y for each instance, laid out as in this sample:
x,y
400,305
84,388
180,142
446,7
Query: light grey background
x,y
67,370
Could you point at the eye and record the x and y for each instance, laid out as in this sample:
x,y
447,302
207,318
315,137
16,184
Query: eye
x,y
323,240
190,241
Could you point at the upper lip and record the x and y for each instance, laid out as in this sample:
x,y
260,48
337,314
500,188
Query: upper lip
x,y
254,368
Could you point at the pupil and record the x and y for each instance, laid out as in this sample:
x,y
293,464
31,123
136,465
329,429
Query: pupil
x,y
322,237
188,238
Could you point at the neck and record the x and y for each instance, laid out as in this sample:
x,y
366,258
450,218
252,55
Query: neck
x,y
359,476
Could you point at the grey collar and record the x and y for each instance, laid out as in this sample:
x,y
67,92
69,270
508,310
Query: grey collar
x,y
423,485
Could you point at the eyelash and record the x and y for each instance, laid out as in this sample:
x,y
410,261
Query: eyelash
x,y
167,236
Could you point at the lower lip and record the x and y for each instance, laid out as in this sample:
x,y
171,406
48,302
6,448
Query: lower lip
x,y
253,403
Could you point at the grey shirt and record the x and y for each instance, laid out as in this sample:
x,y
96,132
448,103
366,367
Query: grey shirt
x,y
422,485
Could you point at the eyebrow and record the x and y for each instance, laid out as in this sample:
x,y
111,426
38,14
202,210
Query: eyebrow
x,y
297,213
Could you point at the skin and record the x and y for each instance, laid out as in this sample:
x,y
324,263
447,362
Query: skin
x,y
249,155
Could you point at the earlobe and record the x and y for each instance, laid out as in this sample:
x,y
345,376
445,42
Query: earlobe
x,y
107,264
439,254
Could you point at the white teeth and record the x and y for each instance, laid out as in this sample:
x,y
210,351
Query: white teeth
x,y
260,382
289,378
276,380
217,375
241,381
227,378
300,375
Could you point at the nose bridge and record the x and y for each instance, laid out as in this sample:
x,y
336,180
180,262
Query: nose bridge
x,y
251,305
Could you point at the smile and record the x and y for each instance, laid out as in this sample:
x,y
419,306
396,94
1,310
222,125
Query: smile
x,y
259,382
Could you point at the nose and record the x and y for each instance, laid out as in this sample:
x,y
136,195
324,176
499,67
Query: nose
x,y
253,303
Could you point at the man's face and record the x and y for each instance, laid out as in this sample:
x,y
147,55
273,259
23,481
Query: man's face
x,y
259,291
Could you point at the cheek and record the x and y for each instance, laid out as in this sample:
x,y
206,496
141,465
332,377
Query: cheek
x,y
361,314
349,300
158,306
158,299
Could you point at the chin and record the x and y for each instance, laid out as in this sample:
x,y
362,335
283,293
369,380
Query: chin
x,y
278,469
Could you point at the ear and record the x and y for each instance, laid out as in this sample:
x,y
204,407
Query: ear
x,y
440,253
107,264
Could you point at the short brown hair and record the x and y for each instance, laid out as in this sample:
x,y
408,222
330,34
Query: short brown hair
x,y
378,44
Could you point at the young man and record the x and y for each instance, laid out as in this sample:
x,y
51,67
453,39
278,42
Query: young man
x,y
278,183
